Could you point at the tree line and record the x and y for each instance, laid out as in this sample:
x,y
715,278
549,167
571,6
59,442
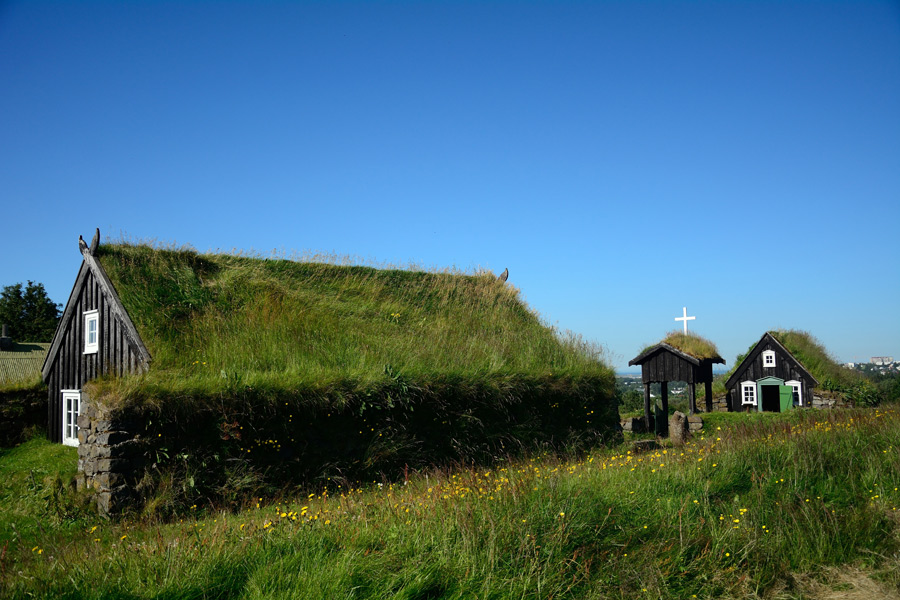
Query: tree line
x,y
29,314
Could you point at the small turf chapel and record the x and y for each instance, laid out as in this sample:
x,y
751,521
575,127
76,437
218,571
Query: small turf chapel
x,y
94,337
769,379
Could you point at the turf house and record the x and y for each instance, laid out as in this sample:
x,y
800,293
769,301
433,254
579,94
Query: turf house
x,y
217,368
769,379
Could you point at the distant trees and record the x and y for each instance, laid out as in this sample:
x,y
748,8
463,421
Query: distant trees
x,y
28,312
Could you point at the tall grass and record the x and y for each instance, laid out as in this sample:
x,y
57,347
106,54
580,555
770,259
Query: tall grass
x,y
753,509
206,318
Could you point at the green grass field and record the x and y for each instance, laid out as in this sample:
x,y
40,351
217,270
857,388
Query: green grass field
x,y
801,505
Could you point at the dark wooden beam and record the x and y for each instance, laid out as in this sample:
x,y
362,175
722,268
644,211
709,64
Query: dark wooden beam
x,y
647,406
692,398
709,397
664,426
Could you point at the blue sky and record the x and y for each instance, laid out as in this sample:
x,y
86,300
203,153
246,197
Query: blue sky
x,y
622,159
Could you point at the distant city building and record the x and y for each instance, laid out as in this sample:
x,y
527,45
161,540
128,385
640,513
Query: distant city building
x,y
882,360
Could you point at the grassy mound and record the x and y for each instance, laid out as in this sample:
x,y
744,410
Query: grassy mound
x,y
814,356
287,322
312,370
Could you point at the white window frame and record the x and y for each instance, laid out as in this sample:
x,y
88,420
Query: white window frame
x,y
766,356
748,386
91,316
71,408
797,388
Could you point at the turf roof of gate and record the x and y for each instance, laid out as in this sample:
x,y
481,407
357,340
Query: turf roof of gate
x,y
691,344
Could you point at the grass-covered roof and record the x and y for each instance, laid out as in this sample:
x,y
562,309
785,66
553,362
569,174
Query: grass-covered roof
x,y
691,344
814,357
210,317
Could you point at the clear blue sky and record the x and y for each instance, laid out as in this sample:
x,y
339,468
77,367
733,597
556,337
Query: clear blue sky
x,y
622,159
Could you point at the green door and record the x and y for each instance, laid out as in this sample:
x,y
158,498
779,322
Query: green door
x,y
786,397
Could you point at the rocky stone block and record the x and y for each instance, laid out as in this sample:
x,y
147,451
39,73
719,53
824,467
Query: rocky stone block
x,y
113,464
112,437
678,428
641,446
636,425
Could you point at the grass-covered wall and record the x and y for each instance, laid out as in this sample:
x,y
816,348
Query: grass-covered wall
x,y
23,411
293,371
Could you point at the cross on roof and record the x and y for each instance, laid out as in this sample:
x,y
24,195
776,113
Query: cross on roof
x,y
685,318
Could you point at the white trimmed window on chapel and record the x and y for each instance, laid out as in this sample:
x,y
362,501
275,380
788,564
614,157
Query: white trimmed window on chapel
x,y
91,331
768,358
748,392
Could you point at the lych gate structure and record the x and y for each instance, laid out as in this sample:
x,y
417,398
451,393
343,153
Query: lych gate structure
x,y
663,363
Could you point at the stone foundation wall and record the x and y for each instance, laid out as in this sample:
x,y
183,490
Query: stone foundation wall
x,y
719,404
110,456
827,400
694,423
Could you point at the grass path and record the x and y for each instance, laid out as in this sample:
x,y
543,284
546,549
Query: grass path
x,y
774,506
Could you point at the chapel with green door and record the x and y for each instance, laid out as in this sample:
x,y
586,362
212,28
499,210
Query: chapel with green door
x,y
769,379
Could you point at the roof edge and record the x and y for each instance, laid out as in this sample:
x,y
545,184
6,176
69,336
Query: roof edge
x,y
755,351
90,263
689,357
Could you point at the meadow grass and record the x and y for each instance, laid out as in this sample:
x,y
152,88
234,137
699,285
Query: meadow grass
x,y
759,506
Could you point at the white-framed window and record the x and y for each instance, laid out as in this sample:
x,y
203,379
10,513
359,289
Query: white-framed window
x,y
798,396
71,407
748,392
91,331
768,358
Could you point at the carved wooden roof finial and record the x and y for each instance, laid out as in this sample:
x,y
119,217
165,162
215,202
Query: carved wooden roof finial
x,y
95,243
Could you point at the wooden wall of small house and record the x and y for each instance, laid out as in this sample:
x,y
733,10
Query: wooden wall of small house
x,y
785,368
665,366
72,368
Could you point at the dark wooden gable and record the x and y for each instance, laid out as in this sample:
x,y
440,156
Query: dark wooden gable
x,y
120,351
663,362
787,368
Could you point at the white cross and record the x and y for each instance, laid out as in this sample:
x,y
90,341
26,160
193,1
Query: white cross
x,y
685,318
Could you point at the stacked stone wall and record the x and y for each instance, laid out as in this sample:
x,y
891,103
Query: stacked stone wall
x,y
110,457
828,400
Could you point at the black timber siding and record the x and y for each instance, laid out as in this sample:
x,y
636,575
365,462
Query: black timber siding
x,y
786,368
72,368
666,366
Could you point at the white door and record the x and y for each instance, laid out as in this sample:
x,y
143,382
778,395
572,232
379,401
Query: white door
x,y
71,406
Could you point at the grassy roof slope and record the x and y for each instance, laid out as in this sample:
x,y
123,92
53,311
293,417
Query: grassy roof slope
x,y
208,316
813,355
691,344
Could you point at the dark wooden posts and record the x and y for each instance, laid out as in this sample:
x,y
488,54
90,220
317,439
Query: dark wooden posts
x,y
664,363
664,426
647,406
709,398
